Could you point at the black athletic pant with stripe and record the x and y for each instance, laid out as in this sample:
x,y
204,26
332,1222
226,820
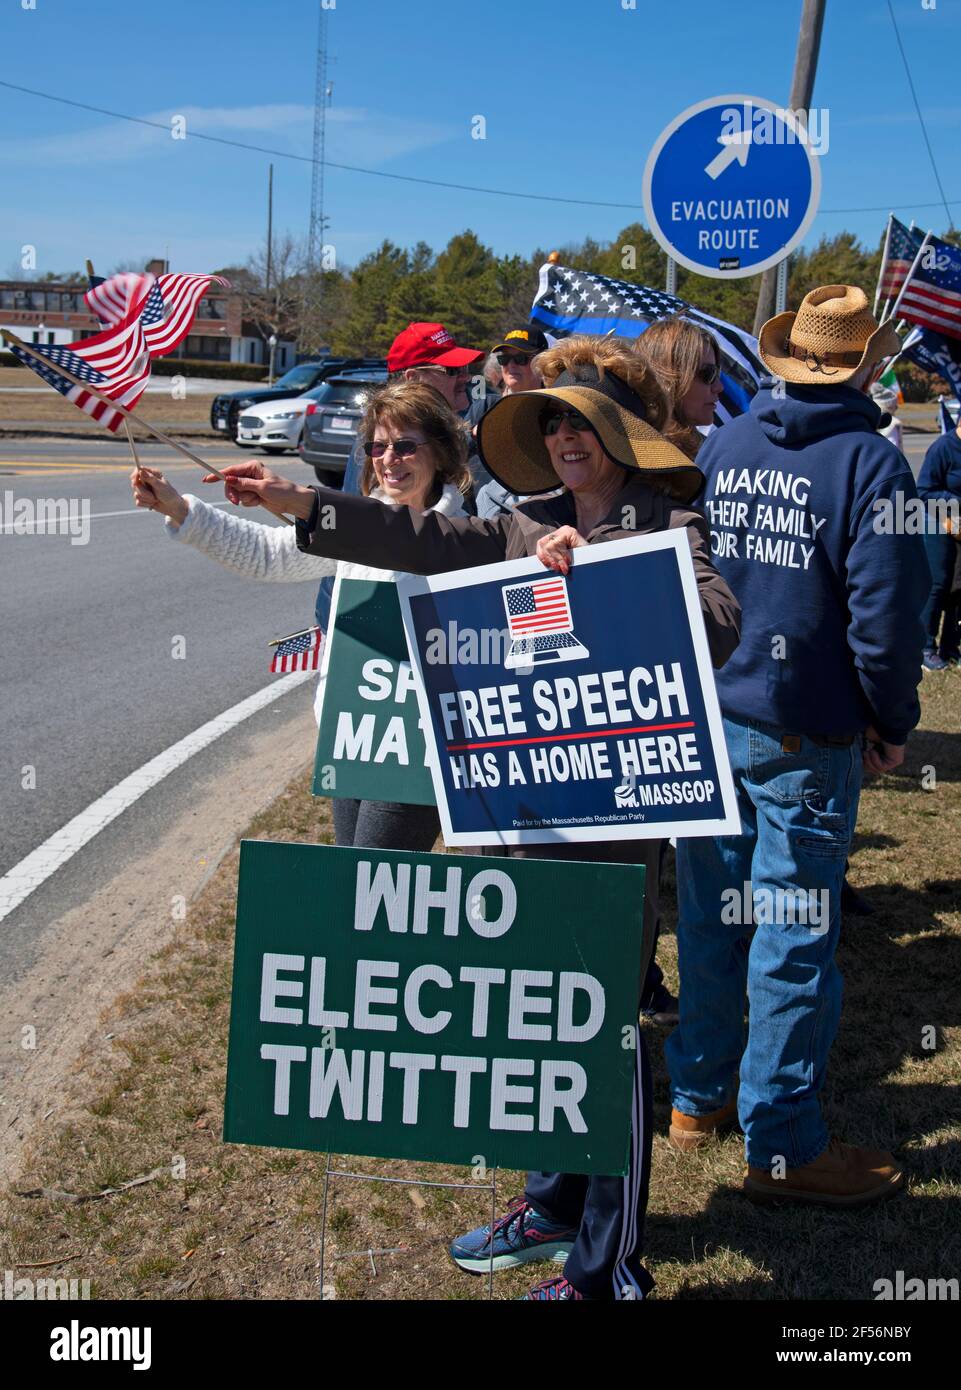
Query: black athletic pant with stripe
x,y
607,1212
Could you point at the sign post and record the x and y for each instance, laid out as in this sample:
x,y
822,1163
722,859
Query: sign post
x,y
731,186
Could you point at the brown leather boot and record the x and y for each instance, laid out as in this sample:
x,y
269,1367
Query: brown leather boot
x,y
693,1131
843,1176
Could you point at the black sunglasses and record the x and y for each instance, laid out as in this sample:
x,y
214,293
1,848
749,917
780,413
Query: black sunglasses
x,y
448,371
551,421
512,359
403,448
708,375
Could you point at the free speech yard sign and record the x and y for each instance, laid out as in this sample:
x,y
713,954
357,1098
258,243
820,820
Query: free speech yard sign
x,y
571,709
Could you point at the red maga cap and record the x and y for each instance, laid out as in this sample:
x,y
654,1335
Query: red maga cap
x,y
427,345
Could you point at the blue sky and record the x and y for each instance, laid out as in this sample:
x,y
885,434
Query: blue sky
x,y
574,93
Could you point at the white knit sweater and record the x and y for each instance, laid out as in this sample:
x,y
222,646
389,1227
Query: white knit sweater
x,y
258,551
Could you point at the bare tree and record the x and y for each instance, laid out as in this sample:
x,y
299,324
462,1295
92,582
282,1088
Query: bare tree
x,y
272,306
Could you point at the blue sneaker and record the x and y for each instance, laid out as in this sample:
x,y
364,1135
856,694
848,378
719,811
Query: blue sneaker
x,y
520,1235
550,1289
932,662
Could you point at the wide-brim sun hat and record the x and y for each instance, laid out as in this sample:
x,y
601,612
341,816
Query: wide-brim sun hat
x,y
511,444
833,335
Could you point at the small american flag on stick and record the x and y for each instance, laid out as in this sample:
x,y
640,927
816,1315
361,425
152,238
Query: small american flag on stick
x,y
116,363
299,652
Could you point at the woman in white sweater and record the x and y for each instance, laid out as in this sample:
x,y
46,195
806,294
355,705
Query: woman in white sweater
x,y
416,457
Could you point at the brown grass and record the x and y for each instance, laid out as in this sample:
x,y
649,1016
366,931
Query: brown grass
x,y
48,408
245,1222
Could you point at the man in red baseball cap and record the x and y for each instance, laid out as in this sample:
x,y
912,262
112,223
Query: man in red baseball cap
x,y
427,352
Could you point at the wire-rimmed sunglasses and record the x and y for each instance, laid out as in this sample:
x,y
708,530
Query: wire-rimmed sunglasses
x,y
708,374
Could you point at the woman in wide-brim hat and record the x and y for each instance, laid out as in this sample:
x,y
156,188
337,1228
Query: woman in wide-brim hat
x,y
832,340
605,385
591,440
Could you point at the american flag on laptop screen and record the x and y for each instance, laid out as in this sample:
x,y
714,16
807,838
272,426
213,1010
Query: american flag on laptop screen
x,y
541,606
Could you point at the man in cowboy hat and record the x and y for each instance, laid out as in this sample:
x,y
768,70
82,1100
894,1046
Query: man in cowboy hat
x,y
822,688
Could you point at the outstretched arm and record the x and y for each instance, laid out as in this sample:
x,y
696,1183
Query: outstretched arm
x,y
249,548
369,532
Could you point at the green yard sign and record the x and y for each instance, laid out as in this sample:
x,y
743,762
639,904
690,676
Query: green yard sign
x,y
439,1007
370,743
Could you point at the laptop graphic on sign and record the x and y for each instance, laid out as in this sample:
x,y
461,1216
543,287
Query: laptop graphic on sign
x,y
540,624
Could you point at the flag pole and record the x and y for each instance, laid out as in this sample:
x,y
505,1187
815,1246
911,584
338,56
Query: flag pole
x,y
884,263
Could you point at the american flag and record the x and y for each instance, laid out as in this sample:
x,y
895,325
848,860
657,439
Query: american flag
x,y
932,295
569,301
301,652
116,362
168,303
903,244
935,354
538,607
119,296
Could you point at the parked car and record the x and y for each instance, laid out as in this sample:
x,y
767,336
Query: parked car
x,y
330,421
274,426
226,409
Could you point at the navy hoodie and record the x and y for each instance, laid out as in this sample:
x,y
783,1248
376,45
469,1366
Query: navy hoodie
x,y
801,499
940,476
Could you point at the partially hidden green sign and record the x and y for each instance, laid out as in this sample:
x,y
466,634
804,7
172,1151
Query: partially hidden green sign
x,y
439,1007
370,743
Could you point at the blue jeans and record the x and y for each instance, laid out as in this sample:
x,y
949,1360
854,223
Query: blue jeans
x,y
759,916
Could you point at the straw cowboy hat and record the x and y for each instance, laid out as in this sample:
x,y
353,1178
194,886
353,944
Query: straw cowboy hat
x,y
831,336
511,445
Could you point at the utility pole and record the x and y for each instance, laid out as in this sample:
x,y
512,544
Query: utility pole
x,y
270,226
802,89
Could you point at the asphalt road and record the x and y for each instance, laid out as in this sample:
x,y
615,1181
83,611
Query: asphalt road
x,y
89,688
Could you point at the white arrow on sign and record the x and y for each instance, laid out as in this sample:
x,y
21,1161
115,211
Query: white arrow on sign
x,y
735,147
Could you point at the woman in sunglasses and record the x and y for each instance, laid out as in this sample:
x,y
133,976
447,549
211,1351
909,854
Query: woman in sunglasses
x,y
416,450
687,363
593,432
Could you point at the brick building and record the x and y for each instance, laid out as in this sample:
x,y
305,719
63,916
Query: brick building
x,y
53,312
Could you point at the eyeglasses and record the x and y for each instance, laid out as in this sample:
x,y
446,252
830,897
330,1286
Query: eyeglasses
x,y
403,448
551,421
708,375
512,359
448,371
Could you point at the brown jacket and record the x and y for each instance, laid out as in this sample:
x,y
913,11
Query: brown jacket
x,y
398,538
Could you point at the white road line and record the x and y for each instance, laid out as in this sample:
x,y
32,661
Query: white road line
x,y
47,858
132,511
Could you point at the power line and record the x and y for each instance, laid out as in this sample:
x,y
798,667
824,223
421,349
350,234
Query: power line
x,y
917,107
413,178
308,159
